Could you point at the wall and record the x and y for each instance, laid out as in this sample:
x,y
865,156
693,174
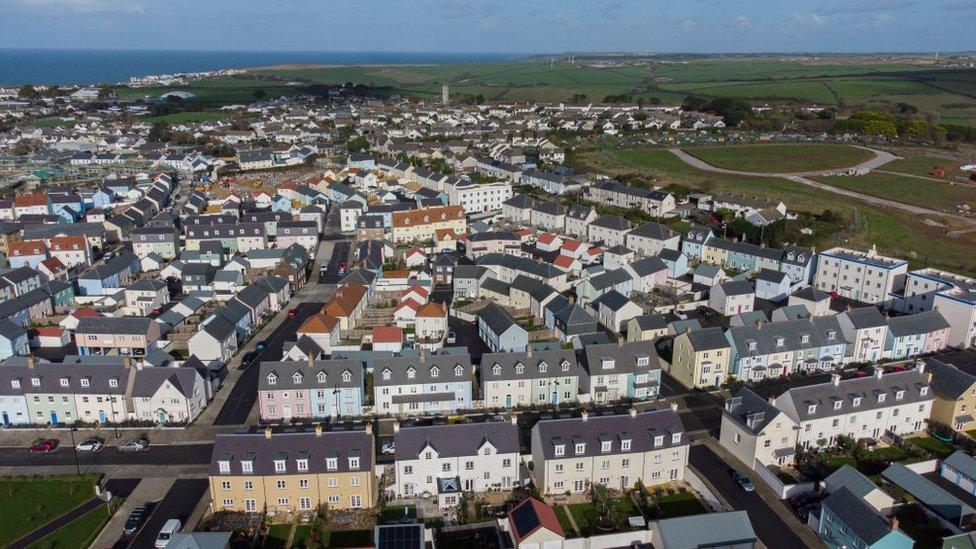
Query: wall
x,y
691,477
923,467
783,491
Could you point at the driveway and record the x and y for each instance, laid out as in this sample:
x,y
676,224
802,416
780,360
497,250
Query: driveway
x,y
772,530
881,158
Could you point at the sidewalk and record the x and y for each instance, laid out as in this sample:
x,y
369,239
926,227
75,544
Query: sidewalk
x,y
148,490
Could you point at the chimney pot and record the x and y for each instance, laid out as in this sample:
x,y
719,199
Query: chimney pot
x,y
318,429
633,412
267,432
585,415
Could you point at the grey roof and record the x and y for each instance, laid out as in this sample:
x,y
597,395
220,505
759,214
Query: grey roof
x,y
654,231
648,265
550,208
497,319
651,322
523,264
707,339
796,402
609,279
114,325
199,540
612,300
928,493
749,410
925,322
575,320
865,317
859,517
962,462
538,364
641,429
219,328
810,293
469,271
786,335
948,381
323,374
520,201
769,275
263,451
493,235
851,479
149,380
459,440
252,295
737,287
729,529
399,370
621,358
147,285
612,222
495,286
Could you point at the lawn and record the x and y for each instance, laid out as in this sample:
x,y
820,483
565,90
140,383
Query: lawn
x,y
907,190
277,537
26,503
77,533
51,123
938,448
586,514
782,158
564,520
680,504
190,116
302,534
920,164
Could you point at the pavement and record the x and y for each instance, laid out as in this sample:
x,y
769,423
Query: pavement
x,y
774,524
179,502
881,158
148,490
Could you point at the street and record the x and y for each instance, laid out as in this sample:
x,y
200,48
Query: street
x,y
171,454
772,531
178,503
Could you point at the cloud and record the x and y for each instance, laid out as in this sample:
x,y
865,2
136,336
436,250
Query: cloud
x,y
867,6
80,6
808,19
743,21
883,19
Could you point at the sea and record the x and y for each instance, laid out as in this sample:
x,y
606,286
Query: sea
x,y
63,67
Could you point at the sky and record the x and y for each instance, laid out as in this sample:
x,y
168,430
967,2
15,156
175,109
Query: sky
x,y
517,26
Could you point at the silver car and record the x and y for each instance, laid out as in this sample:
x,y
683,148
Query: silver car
x,y
90,445
134,445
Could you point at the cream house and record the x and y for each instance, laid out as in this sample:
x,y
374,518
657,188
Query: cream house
x,y
757,432
700,358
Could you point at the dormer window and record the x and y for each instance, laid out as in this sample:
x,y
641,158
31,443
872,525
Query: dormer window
x,y
302,464
900,394
224,466
346,376
519,368
675,438
804,338
15,383
856,402
881,397
64,382
580,448
543,367
496,370
247,466
607,363
625,445
831,335
435,372
458,371
923,391
332,463
296,378
411,373
812,409
36,381
387,374
752,345
605,446
321,377
560,449
113,382
643,360
658,440
272,379
279,466
837,405
354,463
780,341
565,365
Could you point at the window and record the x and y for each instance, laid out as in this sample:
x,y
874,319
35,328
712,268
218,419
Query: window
x,y
331,463
224,466
560,450
446,467
279,466
355,501
625,445
408,469
303,483
354,463
227,502
248,485
225,485
280,484
333,482
247,466
559,467
354,481
305,503
658,440
605,446
303,465
506,462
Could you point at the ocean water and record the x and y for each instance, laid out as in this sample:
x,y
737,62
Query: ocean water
x,y
44,66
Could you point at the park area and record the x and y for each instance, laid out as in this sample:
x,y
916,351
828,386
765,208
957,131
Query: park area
x,y
785,158
27,503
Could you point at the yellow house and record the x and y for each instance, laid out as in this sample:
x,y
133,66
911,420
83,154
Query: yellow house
x,y
419,225
700,358
292,472
955,395
713,254
646,328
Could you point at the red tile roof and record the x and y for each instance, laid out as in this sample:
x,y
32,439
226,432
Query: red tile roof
x,y
387,334
546,518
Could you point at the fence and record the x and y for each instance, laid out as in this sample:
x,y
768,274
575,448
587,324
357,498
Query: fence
x,y
783,490
691,477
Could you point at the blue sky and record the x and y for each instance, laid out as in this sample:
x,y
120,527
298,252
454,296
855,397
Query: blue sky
x,y
527,26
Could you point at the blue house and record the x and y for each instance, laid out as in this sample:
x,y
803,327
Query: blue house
x,y
280,204
13,401
113,275
847,521
14,340
676,261
238,315
102,198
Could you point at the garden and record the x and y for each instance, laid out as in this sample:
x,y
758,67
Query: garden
x,y
27,503
870,459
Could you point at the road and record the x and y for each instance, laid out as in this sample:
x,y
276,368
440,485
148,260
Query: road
x,y
178,503
171,454
340,254
772,530
881,158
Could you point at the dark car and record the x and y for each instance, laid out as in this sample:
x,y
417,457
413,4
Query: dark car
x,y
134,521
43,446
260,345
743,481
293,313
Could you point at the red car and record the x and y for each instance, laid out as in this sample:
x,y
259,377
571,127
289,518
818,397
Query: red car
x,y
834,295
293,313
44,446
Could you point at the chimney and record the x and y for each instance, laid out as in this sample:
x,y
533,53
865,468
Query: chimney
x,y
894,523
620,341
311,360
514,418
318,429
396,426
528,350
369,427
920,366
127,361
674,406
30,361
423,354
585,415
632,412
835,378
267,432
878,372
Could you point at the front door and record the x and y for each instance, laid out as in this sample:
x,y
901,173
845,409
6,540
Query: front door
x,y
6,419
101,416
554,398
54,418
162,416
286,412
508,401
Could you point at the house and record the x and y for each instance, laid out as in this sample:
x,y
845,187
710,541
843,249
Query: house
x,y
701,358
422,384
347,305
616,451
164,241
578,218
817,302
756,432
322,329
532,377
446,460
725,529
134,336
619,280
652,238
847,521
168,395
861,486
548,216
648,273
866,332
216,340
772,285
615,371
518,209
144,296
534,525
865,407
507,268
694,241
954,392
614,310
917,334
646,327
732,298
14,340
431,322
960,469
499,331
860,276
568,319
776,349
422,225
611,230
292,471
387,338
310,389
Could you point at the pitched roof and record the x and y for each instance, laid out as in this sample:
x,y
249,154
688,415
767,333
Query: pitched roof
x,y
463,439
531,515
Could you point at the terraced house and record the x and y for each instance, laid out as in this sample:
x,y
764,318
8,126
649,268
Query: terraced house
x,y
446,460
421,225
292,472
164,241
134,336
777,349
235,237
621,370
424,384
570,455
794,261
531,377
310,389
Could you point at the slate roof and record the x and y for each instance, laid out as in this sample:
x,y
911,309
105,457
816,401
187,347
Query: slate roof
x,y
796,402
611,222
497,319
623,356
929,494
651,322
654,231
865,317
851,479
786,335
749,410
707,339
399,368
289,447
458,440
558,363
648,265
523,264
114,325
948,381
728,529
962,462
859,517
925,322
640,429
332,370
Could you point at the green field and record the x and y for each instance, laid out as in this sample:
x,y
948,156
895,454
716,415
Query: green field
x,y
909,190
26,503
190,116
782,158
80,532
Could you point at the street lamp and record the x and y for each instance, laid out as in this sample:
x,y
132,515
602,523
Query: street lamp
x,y
75,450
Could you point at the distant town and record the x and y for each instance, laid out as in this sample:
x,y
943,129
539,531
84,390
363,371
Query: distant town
x,y
351,320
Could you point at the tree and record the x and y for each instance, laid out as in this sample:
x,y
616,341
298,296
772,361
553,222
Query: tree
x,y
358,144
260,93
27,92
694,103
160,132
105,91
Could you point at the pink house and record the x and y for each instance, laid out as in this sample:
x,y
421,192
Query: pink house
x,y
282,397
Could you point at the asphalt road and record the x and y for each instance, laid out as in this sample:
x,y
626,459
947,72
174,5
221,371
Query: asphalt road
x,y
172,454
178,503
340,254
768,526
244,393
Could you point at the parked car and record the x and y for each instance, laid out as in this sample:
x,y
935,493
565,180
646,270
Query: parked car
x,y
743,481
171,527
260,345
388,447
134,445
42,446
451,337
293,313
92,444
134,521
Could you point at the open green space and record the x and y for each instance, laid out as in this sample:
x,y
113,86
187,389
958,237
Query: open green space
x,y
782,158
921,164
908,190
80,532
586,514
277,537
27,503
933,445
51,123
679,504
190,116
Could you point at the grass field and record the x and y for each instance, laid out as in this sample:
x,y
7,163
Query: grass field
x,y
586,514
680,504
782,158
27,503
190,116
77,533
909,190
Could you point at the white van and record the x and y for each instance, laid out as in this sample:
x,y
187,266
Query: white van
x,y
171,527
